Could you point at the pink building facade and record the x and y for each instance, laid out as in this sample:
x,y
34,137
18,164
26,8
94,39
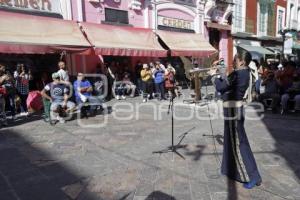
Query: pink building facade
x,y
181,15
218,27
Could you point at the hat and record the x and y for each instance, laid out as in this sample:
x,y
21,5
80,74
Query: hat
x,y
145,66
55,75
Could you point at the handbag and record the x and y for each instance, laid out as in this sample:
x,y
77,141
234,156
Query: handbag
x,y
3,91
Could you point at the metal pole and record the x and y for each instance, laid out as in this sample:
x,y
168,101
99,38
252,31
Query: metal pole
x,y
172,100
282,53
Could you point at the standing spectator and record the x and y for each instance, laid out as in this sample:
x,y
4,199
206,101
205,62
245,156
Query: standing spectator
x,y
271,91
3,120
159,80
138,69
170,81
110,79
46,102
146,76
22,84
253,66
7,81
58,97
62,72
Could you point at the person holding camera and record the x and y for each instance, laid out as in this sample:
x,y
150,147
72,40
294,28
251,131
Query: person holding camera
x,y
159,80
22,78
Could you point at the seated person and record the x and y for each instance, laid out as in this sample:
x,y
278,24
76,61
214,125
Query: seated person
x,y
130,87
83,93
283,76
293,93
119,88
58,97
271,91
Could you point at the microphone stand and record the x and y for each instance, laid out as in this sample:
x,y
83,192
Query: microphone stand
x,y
173,148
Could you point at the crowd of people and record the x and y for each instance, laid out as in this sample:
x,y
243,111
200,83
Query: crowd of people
x,y
277,85
59,95
153,80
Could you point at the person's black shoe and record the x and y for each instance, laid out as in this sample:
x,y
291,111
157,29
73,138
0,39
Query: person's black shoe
x,y
283,112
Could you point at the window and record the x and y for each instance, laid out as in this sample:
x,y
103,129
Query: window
x,y
262,19
238,16
292,15
280,19
116,16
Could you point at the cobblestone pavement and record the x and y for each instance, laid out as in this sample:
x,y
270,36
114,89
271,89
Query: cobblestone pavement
x,y
115,162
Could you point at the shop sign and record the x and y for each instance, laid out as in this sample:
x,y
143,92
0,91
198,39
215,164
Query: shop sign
x,y
186,2
175,23
32,5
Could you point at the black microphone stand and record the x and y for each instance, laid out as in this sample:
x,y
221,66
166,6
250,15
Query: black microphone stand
x,y
173,148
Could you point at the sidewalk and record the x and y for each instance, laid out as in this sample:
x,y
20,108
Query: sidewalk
x,y
115,162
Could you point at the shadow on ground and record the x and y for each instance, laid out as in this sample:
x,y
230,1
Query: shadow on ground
x,y
29,173
158,195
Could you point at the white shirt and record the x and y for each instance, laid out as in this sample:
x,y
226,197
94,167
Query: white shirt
x,y
63,74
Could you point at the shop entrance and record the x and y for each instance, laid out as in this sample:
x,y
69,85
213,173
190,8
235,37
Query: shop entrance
x,y
39,65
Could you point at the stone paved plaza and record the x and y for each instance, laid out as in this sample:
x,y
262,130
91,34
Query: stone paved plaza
x,y
115,161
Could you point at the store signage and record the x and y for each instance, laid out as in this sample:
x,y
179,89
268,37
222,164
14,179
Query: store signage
x,y
34,5
186,2
175,23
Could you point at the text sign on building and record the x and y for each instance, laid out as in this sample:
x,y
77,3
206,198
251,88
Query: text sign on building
x,y
33,5
175,23
186,2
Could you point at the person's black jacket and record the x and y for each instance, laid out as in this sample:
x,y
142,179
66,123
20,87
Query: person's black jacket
x,y
234,86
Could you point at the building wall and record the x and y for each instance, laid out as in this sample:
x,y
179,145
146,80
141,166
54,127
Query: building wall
x,y
281,4
95,12
172,13
251,16
293,19
223,47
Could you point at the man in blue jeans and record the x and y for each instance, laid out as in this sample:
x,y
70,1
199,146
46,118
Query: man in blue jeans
x,y
83,93
159,80
58,97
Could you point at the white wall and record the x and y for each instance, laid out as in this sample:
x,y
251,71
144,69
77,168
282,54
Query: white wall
x,y
66,9
292,14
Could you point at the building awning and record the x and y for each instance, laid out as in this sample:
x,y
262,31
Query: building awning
x,y
296,45
28,34
123,40
186,44
276,49
256,49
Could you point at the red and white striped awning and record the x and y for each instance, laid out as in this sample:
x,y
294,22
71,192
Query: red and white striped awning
x,y
123,40
28,34
186,44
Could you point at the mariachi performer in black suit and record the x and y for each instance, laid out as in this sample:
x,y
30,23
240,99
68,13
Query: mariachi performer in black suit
x,y
238,162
